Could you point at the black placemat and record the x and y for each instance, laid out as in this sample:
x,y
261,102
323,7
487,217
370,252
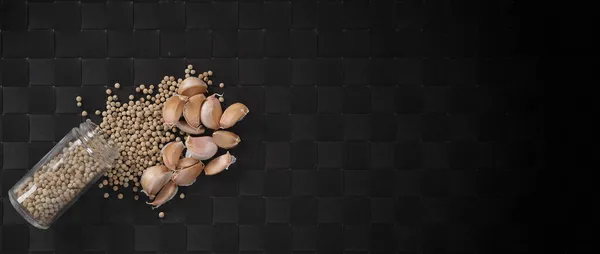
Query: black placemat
x,y
375,126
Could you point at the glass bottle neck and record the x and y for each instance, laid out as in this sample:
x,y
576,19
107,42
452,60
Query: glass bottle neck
x,y
97,146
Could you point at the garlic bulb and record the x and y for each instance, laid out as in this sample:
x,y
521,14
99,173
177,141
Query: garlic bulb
x,y
191,110
187,174
233,114
183,126
154,178
226,139
166,193
192,86
201,148
172,109
171,153
186,162
211,112
219,164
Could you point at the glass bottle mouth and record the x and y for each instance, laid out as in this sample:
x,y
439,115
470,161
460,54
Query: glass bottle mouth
x,y
96,143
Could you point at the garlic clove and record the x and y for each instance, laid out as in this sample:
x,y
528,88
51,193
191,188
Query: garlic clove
x,y
166,193
171,153
226,139
201,148
186,162
183,125
211,112
187,176
233,114
154,178
192,86
191,110
172,109
219,164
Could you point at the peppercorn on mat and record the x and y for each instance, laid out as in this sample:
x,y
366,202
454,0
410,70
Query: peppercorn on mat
x,y
374,127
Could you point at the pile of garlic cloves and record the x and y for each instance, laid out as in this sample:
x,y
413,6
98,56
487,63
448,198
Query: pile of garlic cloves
x,y
195,114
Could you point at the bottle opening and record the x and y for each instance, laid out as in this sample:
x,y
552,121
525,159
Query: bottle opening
x,y
97,143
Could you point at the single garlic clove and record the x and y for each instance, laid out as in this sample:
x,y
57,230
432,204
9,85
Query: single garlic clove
x,y
201,148
172,110
183,125
219,164
171,153
233,114
191,110
154,178
226,139
187,176
211,112
166,193
192,86
187,162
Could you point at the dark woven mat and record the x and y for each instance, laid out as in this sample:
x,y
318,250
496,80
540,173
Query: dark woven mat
x,y
375,126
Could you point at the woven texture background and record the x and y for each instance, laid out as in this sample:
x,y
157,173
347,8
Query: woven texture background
x,y
375,126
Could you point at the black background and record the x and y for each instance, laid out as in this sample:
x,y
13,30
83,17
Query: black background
x,y
375,126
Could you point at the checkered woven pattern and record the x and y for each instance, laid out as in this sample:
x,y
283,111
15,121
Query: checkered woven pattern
x,y
375,127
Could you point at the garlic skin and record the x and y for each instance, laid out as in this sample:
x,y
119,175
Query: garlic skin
x,y
233,114
171,153
172,110
185,127
192,86
211,112
166,193
201,148
219,164
154,178
226,139
187,175
186,162
191,110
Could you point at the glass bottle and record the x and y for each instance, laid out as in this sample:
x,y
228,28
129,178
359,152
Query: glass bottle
x,y
63,175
